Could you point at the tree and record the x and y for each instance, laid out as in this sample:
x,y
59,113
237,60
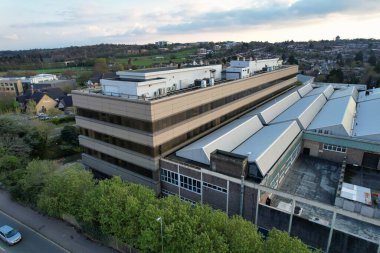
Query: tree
x,y
37,174
69,134
31,107
377,68
237,226
372,59
292,60
101,65
54,112
335,76
9,163
359,56
63,193
280,242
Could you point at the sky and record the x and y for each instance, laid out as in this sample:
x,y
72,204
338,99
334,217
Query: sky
x,y
28,24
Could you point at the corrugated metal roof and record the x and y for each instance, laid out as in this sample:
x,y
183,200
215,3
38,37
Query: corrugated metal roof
x,y
344,92
270,103
305,89
336,116
325,90
276,109
304,110
267,145
371,94
225,138
367,123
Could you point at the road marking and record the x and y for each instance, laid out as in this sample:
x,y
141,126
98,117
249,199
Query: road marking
x,y
2,248
34,230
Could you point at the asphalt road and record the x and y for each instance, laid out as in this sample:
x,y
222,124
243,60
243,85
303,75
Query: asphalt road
x,y
31,241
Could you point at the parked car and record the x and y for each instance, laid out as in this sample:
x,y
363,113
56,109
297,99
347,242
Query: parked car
x,y
9,235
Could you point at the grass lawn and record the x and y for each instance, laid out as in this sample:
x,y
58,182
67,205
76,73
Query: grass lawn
x,y
164,57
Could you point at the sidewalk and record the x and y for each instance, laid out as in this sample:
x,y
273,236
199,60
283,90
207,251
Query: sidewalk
x,y
56,230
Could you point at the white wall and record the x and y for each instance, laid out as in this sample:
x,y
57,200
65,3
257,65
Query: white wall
x,y
237,73
178,78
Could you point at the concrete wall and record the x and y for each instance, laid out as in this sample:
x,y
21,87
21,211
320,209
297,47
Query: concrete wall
x,y
120,153
110,169
354,156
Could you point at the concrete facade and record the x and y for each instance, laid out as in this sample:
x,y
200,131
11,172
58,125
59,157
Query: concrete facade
x,y
137,132
11,87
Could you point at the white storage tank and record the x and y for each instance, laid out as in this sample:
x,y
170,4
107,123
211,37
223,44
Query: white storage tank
x,y
203,84
212,81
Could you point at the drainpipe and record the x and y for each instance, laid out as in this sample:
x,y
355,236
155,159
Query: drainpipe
x,y
241,195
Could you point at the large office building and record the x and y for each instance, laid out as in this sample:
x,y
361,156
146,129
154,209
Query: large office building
x,y
141,116
11,86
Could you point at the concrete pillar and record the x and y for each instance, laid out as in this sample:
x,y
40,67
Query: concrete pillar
x,y
331,232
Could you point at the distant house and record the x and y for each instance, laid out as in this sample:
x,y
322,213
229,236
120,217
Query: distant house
x,y
45,100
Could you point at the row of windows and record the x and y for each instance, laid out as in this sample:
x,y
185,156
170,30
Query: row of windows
x,y
185,182
3,89
130,145
215,187
188,183
6,84
169,176
173,119
118,162
334,148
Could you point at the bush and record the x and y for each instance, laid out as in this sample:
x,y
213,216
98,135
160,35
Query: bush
x,y
57,121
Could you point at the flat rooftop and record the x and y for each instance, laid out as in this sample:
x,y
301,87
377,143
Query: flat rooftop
x,y
312,178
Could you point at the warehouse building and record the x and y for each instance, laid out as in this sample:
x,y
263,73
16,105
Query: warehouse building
x,y
290,169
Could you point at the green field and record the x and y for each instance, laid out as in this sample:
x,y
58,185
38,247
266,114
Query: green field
x,y
77,70
139,61
160,58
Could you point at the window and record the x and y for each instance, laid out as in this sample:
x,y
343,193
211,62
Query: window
x,y
334,148
190,184
169,176
326,132
215,187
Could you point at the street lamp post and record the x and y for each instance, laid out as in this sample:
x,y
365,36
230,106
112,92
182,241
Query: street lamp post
x,y
162,234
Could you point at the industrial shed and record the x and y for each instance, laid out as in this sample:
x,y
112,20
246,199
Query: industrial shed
x,y
303,111
305,89
325,90
225,138
367,123
266,146
336,117
344,92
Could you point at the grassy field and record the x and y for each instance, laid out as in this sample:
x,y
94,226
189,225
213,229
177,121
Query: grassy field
x,y
57,71
164,57
138,61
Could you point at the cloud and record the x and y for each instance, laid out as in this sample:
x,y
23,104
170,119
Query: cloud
x,y
11,37
275,13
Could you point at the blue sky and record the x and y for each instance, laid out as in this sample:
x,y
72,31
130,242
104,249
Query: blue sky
x,y
26,24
